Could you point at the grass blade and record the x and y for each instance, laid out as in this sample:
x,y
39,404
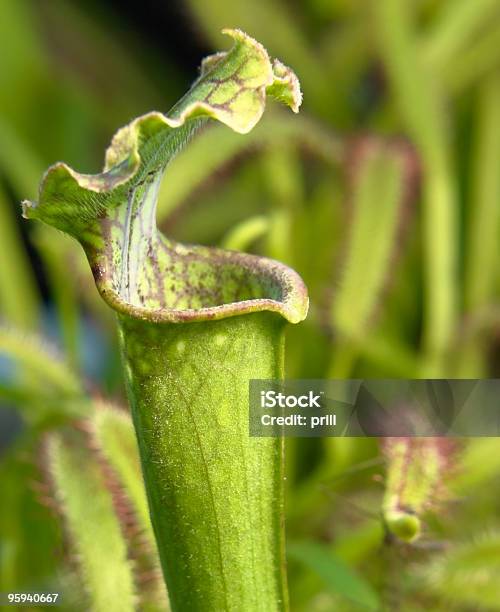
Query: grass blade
x,y
116,444
484,220
422,110
340,578
93,527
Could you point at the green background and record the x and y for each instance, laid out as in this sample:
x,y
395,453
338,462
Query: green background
x,y
384,194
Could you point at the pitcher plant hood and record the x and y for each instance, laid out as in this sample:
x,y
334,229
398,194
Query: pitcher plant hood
x,y
138,271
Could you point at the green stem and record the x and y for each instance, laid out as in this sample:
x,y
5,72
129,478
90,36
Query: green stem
x,y
188,389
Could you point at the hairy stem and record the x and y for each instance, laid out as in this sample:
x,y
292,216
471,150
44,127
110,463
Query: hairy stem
x,y
188,389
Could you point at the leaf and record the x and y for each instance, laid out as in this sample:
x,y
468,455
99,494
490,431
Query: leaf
x,y
380,176
484,220
112,214
192,467
232,86
415,480
273,23
29,532
423,112
93,526
116,443
340,578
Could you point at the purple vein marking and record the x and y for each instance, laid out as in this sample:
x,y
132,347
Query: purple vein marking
x,y
124,280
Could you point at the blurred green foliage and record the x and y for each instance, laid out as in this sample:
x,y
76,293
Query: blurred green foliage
x,y
384,194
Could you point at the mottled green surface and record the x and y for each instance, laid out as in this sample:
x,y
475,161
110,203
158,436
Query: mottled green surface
x,y
113,214
215,494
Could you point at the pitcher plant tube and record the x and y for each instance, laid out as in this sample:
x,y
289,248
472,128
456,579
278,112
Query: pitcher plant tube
x,y
195,325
